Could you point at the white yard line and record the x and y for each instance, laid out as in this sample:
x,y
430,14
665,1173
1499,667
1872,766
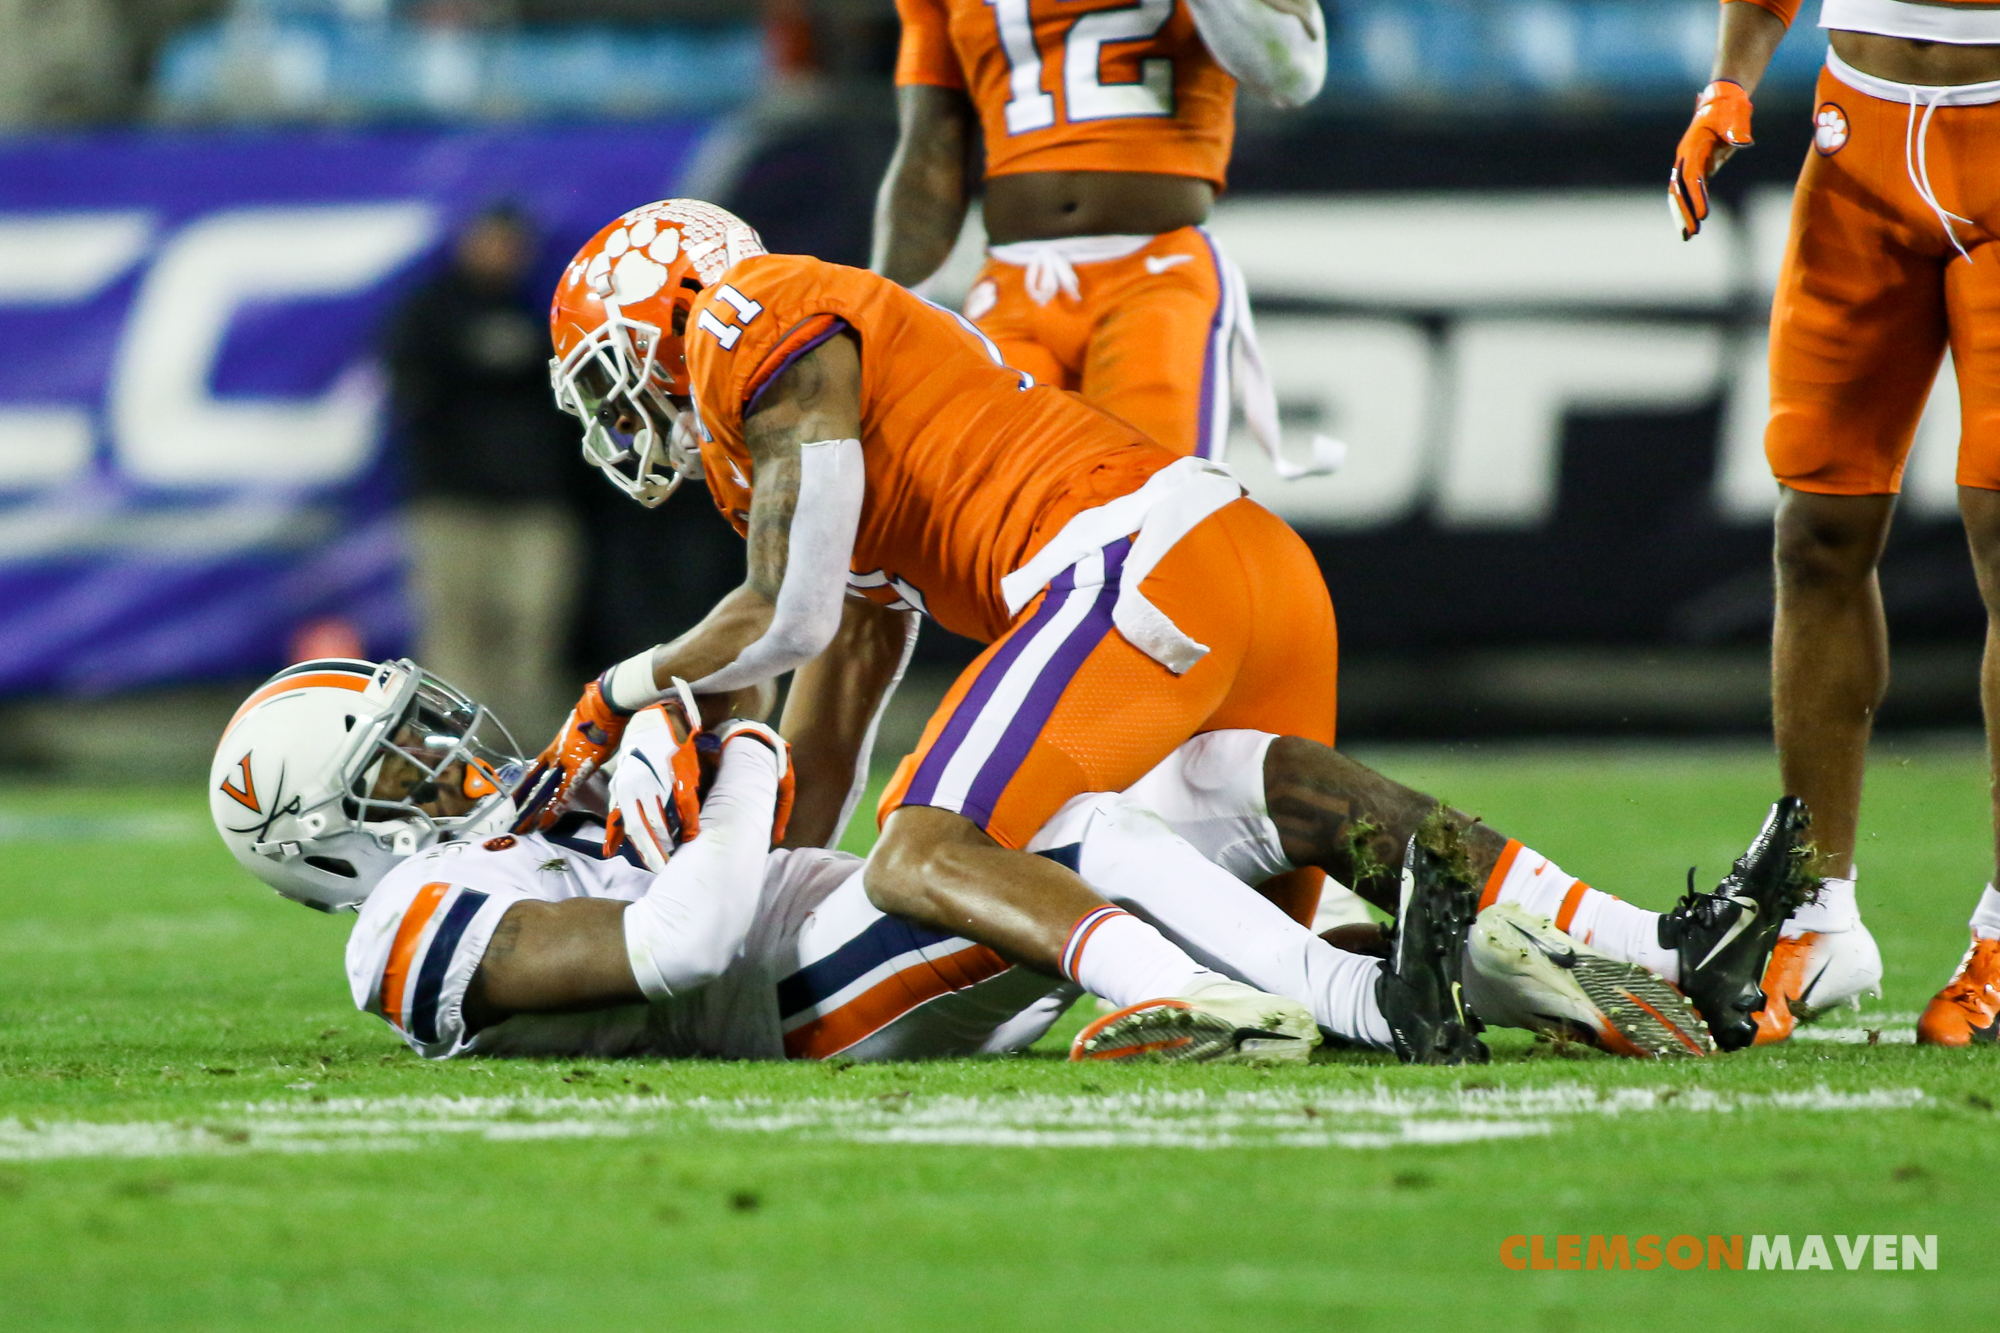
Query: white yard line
x,y
1892,1029
1374,1117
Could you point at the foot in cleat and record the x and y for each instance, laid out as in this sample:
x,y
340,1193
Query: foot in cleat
x,y
1420,990
1813,973
1224,1022
1522,972
1968,1008
1725,938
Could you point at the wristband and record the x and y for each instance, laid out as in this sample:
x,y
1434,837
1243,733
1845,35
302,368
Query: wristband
x,y
629,686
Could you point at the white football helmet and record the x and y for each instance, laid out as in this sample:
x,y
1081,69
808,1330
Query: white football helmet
x,y
335,770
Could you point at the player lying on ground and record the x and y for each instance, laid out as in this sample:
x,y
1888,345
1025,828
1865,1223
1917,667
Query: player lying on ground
x,y
757,956
869,443
345,784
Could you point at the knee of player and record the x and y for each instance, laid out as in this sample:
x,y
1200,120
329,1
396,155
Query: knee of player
x,y
900,869
1821,543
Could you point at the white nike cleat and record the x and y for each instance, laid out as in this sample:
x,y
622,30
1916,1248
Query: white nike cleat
x,y
1522,972
1839,968
1224,1022
1815,972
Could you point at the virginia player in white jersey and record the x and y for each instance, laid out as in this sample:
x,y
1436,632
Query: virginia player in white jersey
x,y
348,785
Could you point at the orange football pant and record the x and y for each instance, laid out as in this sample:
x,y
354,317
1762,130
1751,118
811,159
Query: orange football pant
x,y
1872,291
1063,704
1146,339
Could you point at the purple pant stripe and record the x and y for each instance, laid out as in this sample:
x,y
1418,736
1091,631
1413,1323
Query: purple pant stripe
x,y
1026,726
1206,445
923,787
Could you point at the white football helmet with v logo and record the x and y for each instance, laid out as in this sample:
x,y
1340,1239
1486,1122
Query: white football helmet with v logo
x,y
335,770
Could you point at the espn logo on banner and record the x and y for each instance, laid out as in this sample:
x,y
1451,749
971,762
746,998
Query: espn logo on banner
x,y
1885,1253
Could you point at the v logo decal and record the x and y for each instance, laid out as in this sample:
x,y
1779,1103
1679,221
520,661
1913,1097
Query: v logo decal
x,y
245,795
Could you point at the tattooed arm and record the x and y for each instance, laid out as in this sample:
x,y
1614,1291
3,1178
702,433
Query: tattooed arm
x,y
921,205
805,507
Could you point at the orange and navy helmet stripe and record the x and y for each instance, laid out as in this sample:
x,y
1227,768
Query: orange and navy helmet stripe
x,y
339,674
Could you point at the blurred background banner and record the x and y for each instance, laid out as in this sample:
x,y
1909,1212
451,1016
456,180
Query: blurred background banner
x,y
191,428
1555,513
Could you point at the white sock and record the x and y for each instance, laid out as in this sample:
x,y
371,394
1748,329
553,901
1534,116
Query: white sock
x,y
1986,916
1606,922
1116,955
1835,910
1132,857
1340,989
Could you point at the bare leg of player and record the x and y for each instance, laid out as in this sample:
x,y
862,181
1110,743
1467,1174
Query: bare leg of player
x,y
1352,822
939,869
1967,1010
1829,657
1981,510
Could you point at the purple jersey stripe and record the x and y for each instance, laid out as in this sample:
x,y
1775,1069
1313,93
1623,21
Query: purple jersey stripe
x,y
1026,726
1213,377
923,787
838,326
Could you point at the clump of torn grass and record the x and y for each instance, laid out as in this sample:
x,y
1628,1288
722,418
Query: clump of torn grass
x,y
1441,836
1364,856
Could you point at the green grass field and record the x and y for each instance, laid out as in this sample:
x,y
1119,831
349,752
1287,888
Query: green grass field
x,y
198,1131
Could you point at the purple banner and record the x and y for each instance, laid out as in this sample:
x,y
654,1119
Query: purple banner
x,y
191,463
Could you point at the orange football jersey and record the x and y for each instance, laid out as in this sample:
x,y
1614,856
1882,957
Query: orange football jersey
x,y
971,466
1077,85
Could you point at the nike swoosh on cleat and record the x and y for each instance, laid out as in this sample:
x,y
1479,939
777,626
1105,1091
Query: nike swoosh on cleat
x,y
1158,264
1743,920
1457,1003
1565,958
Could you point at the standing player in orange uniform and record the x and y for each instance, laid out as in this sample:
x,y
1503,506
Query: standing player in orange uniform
x,y
1107,131
1890,260
883,461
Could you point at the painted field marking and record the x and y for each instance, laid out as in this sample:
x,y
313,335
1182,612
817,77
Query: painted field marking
x,y
1894,1029
1378,1117
161,826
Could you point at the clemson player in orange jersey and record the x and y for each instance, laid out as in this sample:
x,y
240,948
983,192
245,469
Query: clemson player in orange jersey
x,y
883,461
1107,131
1890,260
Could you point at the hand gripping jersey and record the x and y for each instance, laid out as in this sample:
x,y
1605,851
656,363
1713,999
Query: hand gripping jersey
x,y
971,466
1077,85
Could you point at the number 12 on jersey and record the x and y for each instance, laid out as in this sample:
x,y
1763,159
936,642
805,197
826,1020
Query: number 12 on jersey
x,y
1085,95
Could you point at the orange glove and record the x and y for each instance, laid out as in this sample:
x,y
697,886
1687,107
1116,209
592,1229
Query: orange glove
x,y
587,739
1721,116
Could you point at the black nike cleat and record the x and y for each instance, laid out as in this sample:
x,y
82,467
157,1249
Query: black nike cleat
x,y
1725,938
1419,991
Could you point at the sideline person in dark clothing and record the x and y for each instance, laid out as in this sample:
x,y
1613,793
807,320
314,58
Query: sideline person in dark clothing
x,y
489,462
